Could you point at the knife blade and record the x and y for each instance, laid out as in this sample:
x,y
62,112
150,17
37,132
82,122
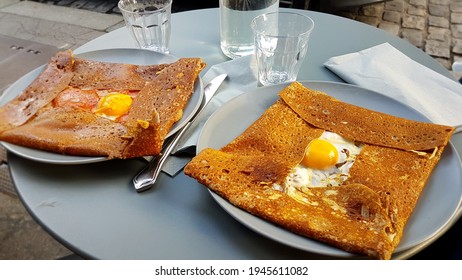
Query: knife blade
x,y
147,177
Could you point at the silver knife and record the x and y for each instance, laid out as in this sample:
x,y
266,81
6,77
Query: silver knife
x,y
148,175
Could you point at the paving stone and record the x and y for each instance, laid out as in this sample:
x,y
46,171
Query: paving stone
x,y
456,30
390,27
438,48
419,3
393,16
395,5
415,22
413,36
372,10
438,21
456,18
440,2
440,34
456,7
416,11
439,10
457,46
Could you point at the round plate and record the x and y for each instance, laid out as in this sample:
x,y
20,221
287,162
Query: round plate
x,y
436,207
128,56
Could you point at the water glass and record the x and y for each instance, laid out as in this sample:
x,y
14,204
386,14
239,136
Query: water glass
x,y
281,43
148,22
236,37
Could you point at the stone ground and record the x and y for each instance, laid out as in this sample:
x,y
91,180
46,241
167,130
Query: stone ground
x,y
21,238
434,26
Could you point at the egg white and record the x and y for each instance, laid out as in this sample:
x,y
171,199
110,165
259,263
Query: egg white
x,y
302,176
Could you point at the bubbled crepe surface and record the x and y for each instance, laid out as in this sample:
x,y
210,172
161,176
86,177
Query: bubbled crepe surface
x,y
367,214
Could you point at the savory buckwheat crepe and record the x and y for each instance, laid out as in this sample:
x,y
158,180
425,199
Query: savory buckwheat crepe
x,y
328,170
83,107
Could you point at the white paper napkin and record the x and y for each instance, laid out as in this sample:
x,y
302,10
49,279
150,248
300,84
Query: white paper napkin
x,y
242,77
385,69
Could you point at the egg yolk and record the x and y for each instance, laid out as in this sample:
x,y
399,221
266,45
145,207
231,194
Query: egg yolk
x,y
320,154
114,105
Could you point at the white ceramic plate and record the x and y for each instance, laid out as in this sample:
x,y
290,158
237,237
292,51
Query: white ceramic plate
x,y
438,203
131,56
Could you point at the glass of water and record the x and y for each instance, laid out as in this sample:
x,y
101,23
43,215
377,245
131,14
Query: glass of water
x,y
148,21
236,38
281,43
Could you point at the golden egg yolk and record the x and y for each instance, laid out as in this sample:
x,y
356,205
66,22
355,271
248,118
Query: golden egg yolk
x,y
114,105
320,154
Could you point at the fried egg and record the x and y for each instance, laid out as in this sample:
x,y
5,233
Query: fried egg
x,y
105,103
114,105
327,162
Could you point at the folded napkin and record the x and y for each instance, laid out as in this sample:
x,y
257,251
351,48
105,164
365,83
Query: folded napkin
x,y
386,70
242,77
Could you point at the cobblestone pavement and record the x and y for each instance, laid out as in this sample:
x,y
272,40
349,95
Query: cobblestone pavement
x,y
434,26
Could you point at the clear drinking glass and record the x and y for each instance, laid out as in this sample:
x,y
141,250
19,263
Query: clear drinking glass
x,y
148,21
236,37
281,43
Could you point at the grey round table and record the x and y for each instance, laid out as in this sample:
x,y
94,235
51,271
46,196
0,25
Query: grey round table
x,y
93,208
